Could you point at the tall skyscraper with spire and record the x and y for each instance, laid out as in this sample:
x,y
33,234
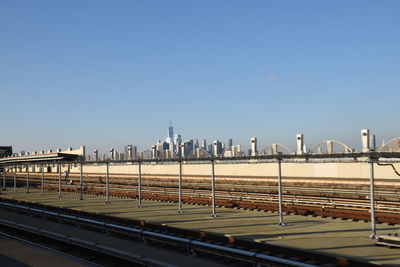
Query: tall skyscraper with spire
x,y
170,137
170,131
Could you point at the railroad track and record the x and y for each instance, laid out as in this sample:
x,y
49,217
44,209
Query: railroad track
x,y
329,188
356,208
192,242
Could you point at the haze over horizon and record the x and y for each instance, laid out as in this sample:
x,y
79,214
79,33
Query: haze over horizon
x,y
105,74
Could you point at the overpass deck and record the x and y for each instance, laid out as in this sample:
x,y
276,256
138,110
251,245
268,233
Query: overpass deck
x,y
322,235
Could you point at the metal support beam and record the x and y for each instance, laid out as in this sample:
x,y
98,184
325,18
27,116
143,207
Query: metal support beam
x,y
4,178
372,191
140,184
81,182
42,180
180,188
281,222
27,178
15,178
214,214
59,180
107,184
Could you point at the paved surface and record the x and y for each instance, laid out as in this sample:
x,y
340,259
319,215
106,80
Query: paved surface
x,y
323,235
168,256
17,253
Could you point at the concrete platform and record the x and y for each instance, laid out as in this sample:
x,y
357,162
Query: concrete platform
x,y
167,256
17,253
323,235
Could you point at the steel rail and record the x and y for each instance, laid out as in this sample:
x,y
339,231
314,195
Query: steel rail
x,y
123,186
221,194
292,192
382,205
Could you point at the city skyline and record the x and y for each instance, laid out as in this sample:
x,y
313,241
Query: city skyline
x,y
176,146
106,76
244,145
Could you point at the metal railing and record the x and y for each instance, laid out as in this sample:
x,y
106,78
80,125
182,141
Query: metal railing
x,y
371,158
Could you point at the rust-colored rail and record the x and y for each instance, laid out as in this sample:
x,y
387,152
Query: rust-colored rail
x,y
353,204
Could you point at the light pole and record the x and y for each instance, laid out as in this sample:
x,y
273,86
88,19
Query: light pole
x,y
81,182
27,178
15,178
107,184
281,222
372,192
214,214
140,183
59,180
42,187
180,188
4,178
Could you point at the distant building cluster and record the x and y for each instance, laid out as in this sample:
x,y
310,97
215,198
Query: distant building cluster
x,y
174,146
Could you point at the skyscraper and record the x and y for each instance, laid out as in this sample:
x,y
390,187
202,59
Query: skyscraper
x,y
170,132
126,153
217,148
189,146
177,139
204,144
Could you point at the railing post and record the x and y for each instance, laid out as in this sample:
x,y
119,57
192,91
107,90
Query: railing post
x,y
213,188
281,222
42,180
180,188
3,168
4,178
372,191
15,178
140,183
81,182
27,178
59,180
107,184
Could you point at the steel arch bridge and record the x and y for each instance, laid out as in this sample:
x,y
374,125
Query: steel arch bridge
x,y
275,149
199,153
145,154
392,145
330,147
227,153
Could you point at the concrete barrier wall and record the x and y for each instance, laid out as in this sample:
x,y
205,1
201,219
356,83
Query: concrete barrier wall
x,y
251,169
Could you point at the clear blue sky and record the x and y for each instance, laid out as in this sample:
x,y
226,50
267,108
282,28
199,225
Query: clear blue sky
x,y
109,73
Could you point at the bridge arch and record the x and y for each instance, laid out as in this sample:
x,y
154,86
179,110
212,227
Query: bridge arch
x,y
275,149
233,152
330,147
145,154
199,153
392,145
